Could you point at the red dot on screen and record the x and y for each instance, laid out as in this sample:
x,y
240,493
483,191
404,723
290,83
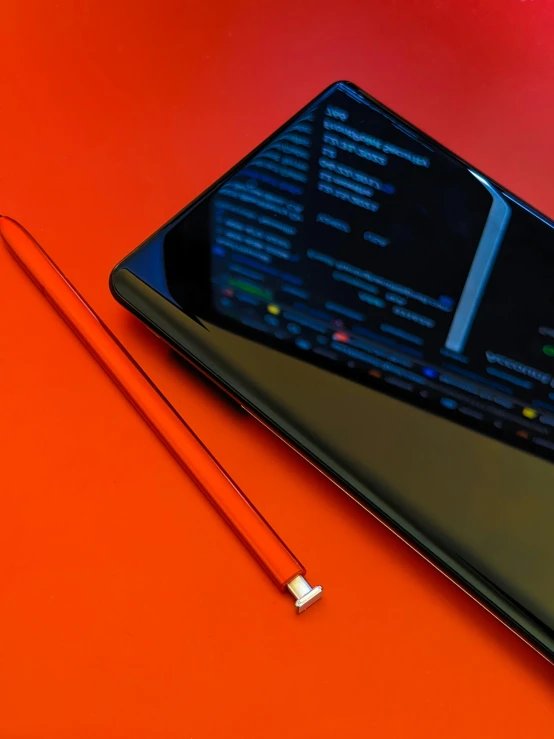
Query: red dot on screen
x,y
341,336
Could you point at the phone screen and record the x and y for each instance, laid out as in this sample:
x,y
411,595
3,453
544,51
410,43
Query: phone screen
x,y
354,245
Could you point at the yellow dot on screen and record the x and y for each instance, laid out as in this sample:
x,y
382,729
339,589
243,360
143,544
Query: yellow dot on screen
x,y
273,309
529,413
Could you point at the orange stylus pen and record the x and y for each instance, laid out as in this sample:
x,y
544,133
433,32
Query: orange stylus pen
x,y
249,525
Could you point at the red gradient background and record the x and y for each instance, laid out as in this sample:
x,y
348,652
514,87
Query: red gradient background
x,y
127,609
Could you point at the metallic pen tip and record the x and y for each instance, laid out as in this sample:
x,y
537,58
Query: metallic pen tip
x,y
305,595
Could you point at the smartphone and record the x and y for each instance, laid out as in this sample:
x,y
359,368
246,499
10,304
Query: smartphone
x,y
388,310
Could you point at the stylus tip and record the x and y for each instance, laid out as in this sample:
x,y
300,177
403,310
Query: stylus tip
x,y
305,595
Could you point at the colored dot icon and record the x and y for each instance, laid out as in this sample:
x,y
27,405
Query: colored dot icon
x,y
273,309
341,336
548,349
530,413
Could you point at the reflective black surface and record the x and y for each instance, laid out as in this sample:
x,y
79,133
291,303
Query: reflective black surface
x,y
353,242
351,254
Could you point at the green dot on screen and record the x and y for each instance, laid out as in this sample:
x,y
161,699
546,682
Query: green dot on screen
x,y
548,349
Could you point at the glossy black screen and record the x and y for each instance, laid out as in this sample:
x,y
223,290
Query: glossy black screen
x,y
354,242
351,272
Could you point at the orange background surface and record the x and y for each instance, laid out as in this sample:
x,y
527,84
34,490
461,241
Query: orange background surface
x,y
127,608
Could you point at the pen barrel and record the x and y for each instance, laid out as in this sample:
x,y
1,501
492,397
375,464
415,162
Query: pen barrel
x,y
198,462
254,531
